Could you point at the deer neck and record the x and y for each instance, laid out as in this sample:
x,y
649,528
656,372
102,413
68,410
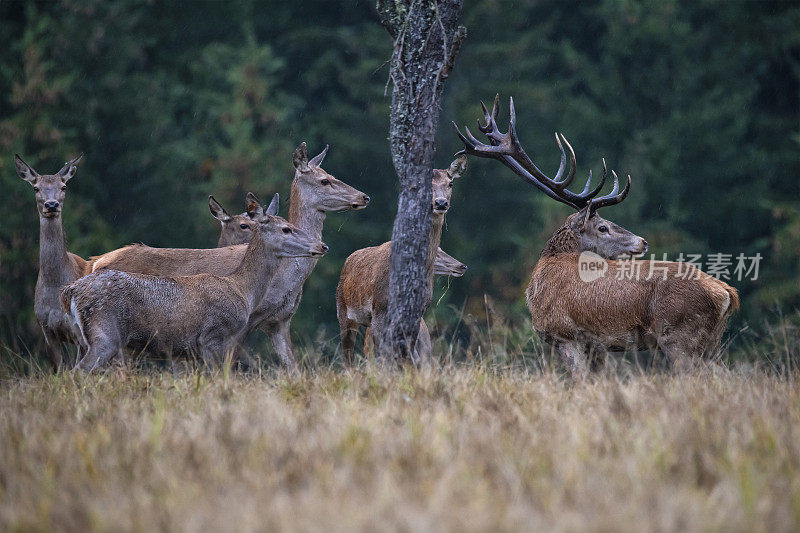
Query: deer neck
x,y
53,257
304,215
437,223
255,271
563,241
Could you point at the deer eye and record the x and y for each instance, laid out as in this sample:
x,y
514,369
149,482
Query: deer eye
x,y
602,229
325,181
287,230
450,183
63,187
244,226
36,189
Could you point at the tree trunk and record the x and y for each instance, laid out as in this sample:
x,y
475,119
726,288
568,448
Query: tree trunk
x,y
426,40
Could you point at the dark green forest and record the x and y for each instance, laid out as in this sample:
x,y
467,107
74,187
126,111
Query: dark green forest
x,y
699,101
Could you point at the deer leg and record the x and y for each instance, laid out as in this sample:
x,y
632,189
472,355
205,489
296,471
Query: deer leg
x,y
573,356
423,347
282,343
348,331
378,329
103,346
597,355
53,349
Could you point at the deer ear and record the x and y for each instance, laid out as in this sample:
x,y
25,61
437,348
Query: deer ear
x,y
317,161
580,221
69,169
458,167
25,171
300,158
273,205
217,211
253,206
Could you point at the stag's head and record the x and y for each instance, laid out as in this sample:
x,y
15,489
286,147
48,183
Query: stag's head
x,y
236,229
280,236
603,237
321,190
50,189
591,231
442,184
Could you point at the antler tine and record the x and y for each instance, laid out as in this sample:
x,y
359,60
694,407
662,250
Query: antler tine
x,y
563,184
589,195
612,198
490,118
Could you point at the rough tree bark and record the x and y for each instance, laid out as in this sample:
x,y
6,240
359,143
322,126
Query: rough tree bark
x,y
426,41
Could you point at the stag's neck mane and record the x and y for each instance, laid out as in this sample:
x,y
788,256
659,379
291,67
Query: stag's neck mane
x,y
563,241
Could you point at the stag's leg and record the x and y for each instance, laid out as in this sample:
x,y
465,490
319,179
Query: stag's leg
x,y
573,355
682,346
596,355
279,335
423,347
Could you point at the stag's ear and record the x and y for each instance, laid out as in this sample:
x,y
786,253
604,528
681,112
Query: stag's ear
x,y
253,206
25,171
273,205
217,211
458,167
69,169
317,161
580,221
300,158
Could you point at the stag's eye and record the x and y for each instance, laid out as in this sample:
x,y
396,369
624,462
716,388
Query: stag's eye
x,y
325,181
287,230
244,226
602,229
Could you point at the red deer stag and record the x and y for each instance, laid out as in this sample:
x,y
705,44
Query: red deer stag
x,y
57,266
362,296
314,192
669,305
202,313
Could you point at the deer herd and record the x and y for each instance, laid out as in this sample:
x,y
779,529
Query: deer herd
x,y
206,301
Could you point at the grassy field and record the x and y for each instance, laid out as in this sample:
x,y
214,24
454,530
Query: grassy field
x,y
465,447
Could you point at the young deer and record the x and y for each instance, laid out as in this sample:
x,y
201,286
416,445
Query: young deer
x,y
203,313
680,309
445,265
57,266
314,192
236,229
362,296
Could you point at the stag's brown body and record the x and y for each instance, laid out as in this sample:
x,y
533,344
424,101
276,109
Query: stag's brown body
x,y
203,313
362,295
672,306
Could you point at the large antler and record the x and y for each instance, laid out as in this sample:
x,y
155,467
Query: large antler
x,y
505,147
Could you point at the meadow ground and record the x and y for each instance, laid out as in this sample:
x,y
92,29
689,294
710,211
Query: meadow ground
x,y
465,447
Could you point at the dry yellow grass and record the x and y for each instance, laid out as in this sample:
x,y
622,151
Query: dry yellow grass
x,y
464,448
